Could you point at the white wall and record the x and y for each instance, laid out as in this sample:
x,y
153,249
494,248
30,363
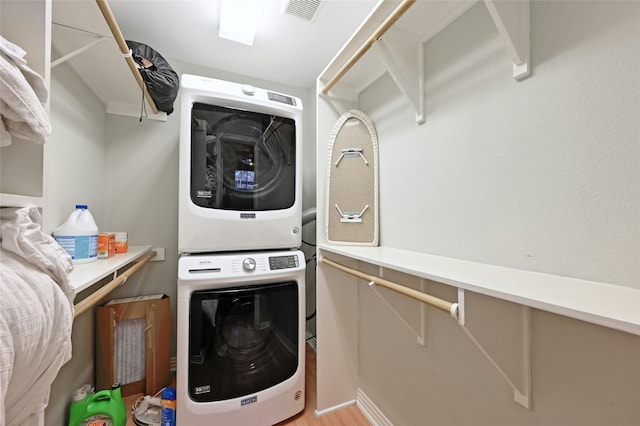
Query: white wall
x,y
541,175
581,374
77,149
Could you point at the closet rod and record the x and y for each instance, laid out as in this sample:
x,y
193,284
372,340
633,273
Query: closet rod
x,y
443,305
124,49
97,296
388,23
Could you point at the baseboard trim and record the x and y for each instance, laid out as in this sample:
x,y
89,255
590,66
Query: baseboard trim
x,y
334,408
371,410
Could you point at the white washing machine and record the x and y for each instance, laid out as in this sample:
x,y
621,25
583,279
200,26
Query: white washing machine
x,y
240,180
240,338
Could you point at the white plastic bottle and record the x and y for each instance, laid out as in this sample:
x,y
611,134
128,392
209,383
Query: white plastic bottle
x,y
79,235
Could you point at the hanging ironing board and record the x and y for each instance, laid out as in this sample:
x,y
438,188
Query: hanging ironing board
x,y
352,182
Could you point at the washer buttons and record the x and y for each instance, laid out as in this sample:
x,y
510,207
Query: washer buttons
x,y
248,90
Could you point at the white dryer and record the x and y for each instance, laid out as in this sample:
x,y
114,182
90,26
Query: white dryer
x,y
240,181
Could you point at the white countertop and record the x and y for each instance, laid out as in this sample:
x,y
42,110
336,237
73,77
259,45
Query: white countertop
x,y
84,275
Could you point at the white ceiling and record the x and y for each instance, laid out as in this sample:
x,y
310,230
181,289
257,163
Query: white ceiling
x,y
287,49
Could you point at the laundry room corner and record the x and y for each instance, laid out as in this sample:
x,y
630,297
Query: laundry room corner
x,y
139,187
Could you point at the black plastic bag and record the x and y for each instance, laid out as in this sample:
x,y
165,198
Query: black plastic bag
x,y
161,80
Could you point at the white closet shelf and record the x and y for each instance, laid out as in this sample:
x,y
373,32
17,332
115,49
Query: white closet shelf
x,y
83,37
14,200
608,305
84,275
396,30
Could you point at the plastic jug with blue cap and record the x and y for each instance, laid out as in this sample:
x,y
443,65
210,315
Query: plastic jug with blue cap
x,y
78,236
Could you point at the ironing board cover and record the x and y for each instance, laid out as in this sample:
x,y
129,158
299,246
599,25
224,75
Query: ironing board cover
x,y
352,182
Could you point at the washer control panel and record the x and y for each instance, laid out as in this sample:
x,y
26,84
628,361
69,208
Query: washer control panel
x,y
283,262
277,97
222,267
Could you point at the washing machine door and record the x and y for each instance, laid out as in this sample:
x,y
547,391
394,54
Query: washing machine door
x,y
241,160
242,340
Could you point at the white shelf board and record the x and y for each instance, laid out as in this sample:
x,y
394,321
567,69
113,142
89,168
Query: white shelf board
x,y
84,275
14,200
608,305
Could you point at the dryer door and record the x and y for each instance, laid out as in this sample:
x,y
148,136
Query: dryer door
x,y
241,160
242,340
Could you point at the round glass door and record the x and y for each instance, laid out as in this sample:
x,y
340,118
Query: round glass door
x,y
242,340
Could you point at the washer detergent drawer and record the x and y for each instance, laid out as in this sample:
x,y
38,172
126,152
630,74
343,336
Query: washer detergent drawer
x,y
242,340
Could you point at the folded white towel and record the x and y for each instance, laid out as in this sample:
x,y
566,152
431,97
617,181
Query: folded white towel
x,y
21,233
23,97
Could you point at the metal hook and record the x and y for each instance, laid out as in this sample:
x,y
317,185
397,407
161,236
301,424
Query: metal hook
x,y
352,216
350,153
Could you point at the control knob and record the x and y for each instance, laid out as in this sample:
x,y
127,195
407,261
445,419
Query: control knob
x,y
249,264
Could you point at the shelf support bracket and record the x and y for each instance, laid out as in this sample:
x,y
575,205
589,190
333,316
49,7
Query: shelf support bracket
x,y
521,385
76,52
403,55
420,329
512,21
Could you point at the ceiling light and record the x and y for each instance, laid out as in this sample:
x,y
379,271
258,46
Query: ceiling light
x,y
239,19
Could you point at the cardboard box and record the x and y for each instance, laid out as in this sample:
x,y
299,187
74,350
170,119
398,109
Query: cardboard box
x,y
106,245
122,244
133,344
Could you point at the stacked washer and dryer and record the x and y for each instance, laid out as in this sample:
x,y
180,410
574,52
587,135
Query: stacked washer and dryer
x,y
241,275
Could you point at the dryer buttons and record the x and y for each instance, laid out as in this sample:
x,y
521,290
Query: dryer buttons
x,y
249,264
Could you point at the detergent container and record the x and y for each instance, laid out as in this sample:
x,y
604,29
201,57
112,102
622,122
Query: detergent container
x,y
103,408
78,236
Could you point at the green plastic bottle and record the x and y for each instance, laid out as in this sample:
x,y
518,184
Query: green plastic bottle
x,y
103,408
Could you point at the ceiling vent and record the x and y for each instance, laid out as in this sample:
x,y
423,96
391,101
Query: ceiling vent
x,y
305,9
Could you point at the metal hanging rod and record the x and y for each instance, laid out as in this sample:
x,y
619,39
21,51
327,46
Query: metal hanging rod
x,y
388,23
443,305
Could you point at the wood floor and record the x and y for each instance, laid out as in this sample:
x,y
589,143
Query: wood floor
x,y
350,416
